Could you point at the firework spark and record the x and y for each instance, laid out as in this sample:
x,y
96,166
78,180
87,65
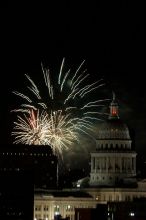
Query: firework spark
x,y
55,130
65,113
31,129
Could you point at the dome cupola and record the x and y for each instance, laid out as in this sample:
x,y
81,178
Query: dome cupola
x,y
114,114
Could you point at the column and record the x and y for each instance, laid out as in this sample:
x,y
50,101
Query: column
x,y
104,164
126,168
107,165
113,164
100,164
134,165
120,163
95,164
92,162
131,165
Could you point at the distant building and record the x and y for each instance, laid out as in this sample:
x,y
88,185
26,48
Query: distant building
x,y
49,204
112,177
135,210
37,159
16,194
21,169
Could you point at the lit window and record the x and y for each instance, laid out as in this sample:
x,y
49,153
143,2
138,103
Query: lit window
x,y
78,185
56,209
45,217
97,198
131,214
56,213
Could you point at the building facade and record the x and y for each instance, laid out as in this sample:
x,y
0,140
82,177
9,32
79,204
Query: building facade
x,y
47,205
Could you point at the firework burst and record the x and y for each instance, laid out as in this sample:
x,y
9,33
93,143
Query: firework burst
x,y
57,121
31,129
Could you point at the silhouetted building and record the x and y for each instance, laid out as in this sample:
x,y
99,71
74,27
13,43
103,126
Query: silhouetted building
x,y
16,194
100,212
135,210
21,169
37,159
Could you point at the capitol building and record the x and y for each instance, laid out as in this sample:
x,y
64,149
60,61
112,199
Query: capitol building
x,y
112,175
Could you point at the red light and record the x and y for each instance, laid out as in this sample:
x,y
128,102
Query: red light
x,y
114,111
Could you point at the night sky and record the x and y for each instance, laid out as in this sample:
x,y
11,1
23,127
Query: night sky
x,y
110,37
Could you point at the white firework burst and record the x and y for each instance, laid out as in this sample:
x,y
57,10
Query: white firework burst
x,y
61,118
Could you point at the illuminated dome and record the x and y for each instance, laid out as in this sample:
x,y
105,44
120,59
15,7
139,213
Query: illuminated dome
x,y
113,134
113,129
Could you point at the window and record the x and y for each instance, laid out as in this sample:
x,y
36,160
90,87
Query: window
x,y
132,163
46,208
56,208
37,217
111,145
46,217
69,208
38,208
97,197
127,198
93,162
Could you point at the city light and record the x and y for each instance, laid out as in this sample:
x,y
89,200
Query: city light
x,y
131,214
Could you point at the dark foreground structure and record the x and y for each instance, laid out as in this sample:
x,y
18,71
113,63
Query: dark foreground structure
x,y
135,210
91,214
22,168
16,195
